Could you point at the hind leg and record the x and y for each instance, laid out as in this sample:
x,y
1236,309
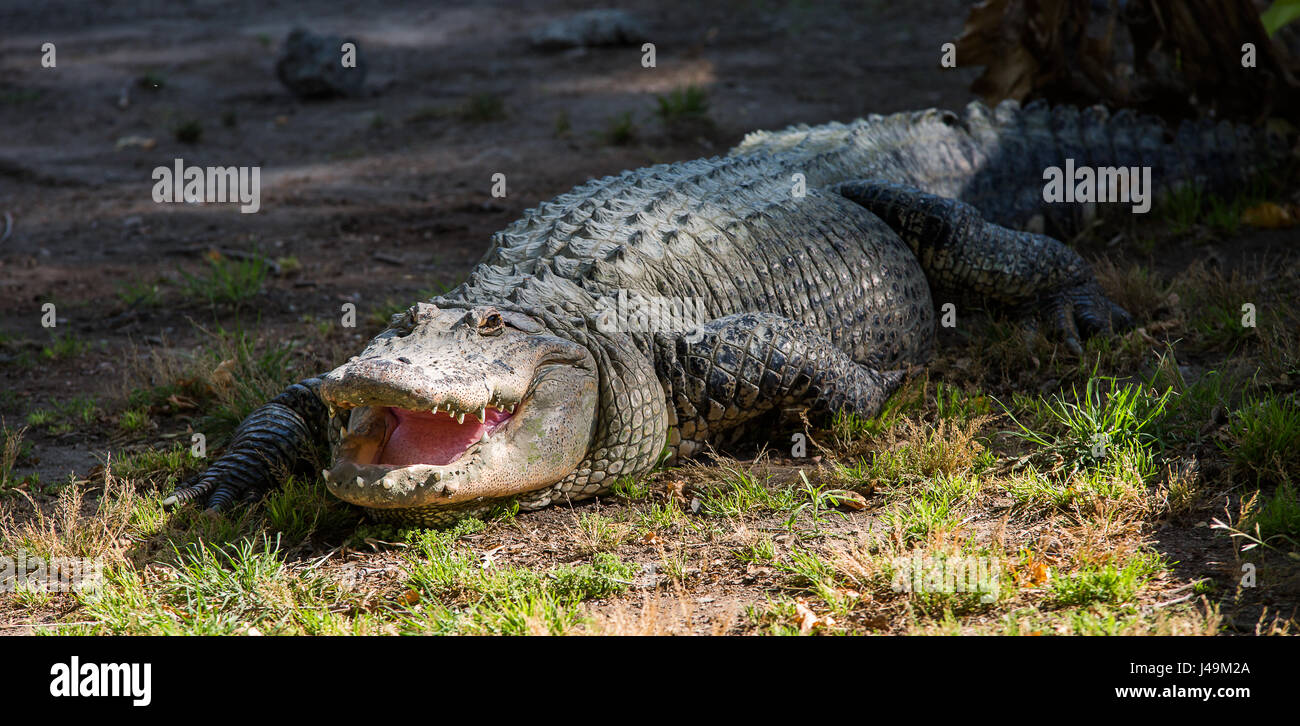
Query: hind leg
x,y
960,251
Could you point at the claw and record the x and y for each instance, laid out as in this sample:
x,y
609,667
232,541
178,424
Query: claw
x,y
1083,311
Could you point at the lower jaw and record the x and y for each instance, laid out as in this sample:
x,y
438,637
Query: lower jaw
x,y
380,486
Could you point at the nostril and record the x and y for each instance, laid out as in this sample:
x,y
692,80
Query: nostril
x,y
407,361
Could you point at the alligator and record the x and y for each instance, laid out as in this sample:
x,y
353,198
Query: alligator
x,y
811,257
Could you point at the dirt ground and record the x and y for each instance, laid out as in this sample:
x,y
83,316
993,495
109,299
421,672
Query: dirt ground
x,y
374,200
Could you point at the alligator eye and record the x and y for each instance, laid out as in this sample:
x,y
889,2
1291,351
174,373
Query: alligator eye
x,y
491,324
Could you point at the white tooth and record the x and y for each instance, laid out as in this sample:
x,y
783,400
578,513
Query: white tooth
x,y
511,408
343,432
361,482
325,473
484,437
482,414
460,417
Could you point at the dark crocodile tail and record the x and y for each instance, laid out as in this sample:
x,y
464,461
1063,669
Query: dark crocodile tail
x,y
274,441
1015,145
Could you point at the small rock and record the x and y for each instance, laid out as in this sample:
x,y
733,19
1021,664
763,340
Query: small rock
x,y
311,66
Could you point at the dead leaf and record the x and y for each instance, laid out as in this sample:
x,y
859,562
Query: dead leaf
x,y
490,556
1269,215
182,403
410,597
650,538
846,498
808,619
221,378
677,490
1034,574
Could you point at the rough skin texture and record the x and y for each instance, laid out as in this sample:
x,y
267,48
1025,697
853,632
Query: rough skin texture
x,y
812,255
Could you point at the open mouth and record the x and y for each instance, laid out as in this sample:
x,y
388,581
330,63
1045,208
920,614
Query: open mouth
x,y
426,437
385,453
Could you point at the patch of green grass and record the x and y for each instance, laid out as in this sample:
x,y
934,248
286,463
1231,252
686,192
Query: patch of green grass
x,y
12,450
1277,518
931,508
600,534
17,96
812,573
680,104
1265,437
761,551
662,516
252,372
226,280
684,111
1193,403
739,493
620,130
159,465
65,416
299,509
815,502
919,452
849,427
1084,431
562,124
774,617
260,372
952,402
64,346
1213,302
134,419
460,595
134,293
481,108
630,488
209,590
1106,583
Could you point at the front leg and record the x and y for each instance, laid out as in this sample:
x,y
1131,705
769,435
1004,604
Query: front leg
x,y
275,440
960,251
735,368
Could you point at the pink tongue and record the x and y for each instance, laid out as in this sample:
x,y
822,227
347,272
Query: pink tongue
x,y
425,438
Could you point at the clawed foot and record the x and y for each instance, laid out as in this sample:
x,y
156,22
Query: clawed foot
x,y
1077,313
215,492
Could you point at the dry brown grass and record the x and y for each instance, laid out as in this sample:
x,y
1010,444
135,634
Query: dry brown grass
x,y
70,527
